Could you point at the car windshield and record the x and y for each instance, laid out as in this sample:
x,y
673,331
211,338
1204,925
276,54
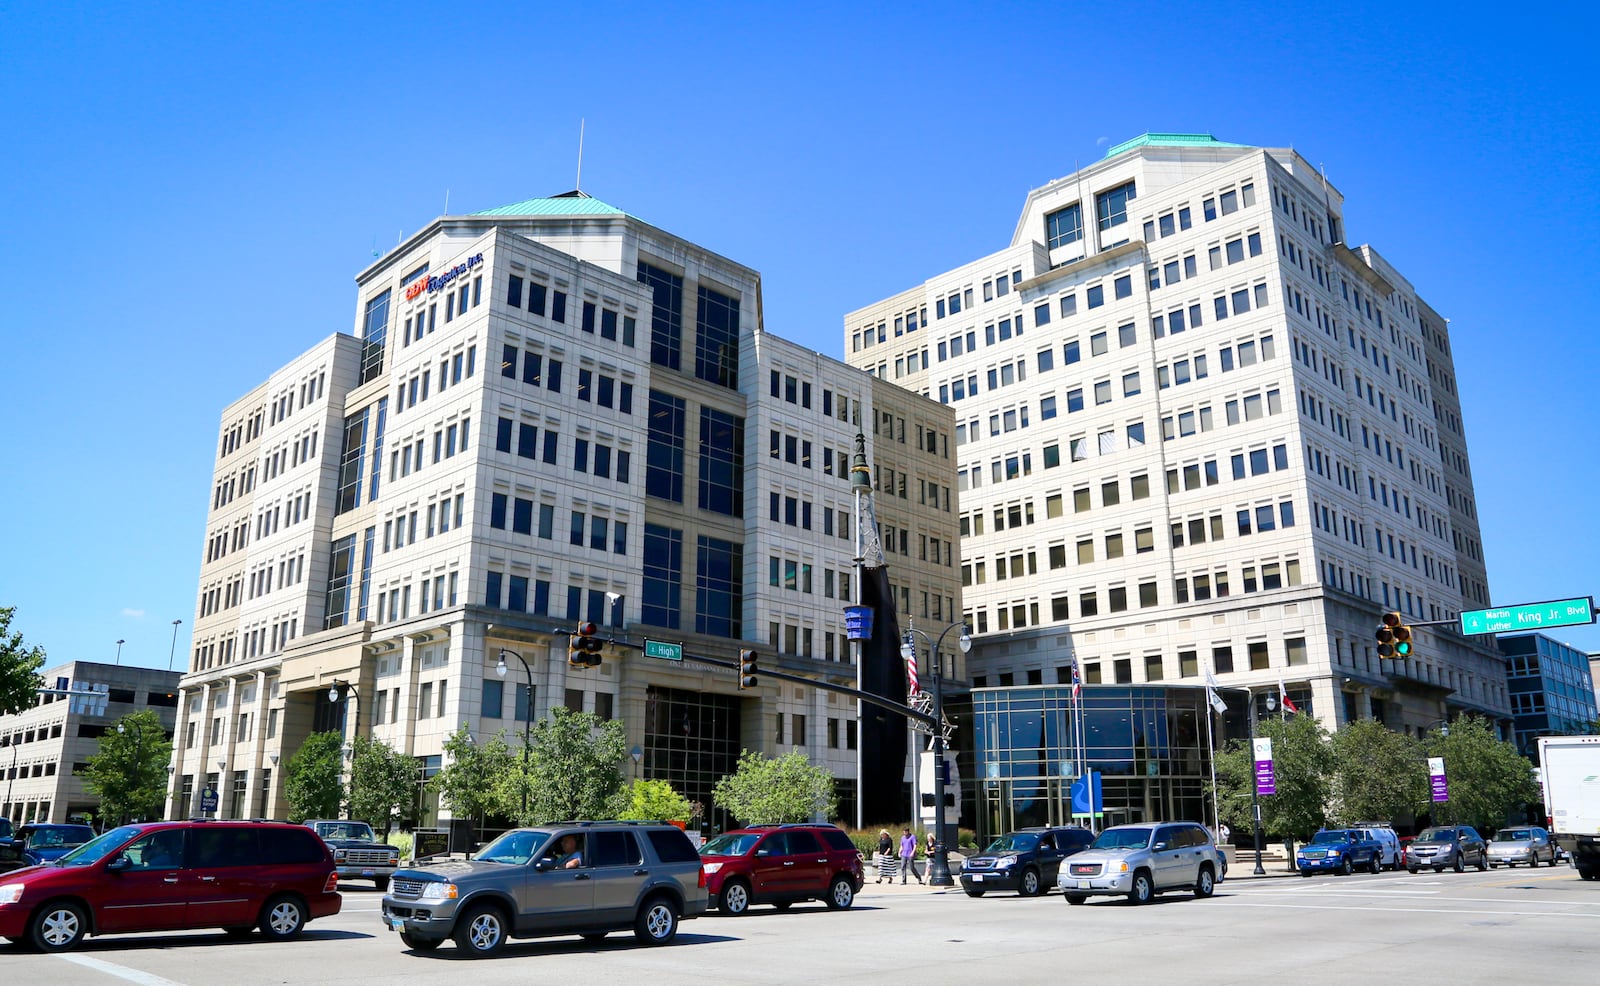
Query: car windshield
x,y
1132,838
99,848
1513,835
514,848
1015,842
57,836
346,830
1438,835
729,845
1332,835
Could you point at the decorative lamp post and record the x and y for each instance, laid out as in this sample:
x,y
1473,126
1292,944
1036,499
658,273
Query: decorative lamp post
x,y
939,866
527,719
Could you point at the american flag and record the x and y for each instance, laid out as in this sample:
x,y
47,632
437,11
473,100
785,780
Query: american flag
x,y
1077,684
912,686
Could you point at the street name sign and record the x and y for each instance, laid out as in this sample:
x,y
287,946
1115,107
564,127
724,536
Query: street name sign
x,y
1531,616
663,651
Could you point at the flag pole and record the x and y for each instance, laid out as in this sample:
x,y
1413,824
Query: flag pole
x,y
1211,755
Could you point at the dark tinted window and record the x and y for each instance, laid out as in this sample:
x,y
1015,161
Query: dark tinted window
x,y
803,841
613,849
1073,838
291,845
223,846
672,846
836,839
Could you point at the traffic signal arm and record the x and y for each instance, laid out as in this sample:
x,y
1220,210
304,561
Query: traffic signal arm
x,y
828,686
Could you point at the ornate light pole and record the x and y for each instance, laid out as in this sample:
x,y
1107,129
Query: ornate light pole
x,y
939,866
527,720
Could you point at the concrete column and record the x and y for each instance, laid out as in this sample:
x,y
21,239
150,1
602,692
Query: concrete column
x,y
175,779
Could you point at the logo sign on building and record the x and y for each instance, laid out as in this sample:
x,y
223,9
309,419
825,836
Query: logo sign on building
x,y
438,281
1266,780
1532,616
1436,779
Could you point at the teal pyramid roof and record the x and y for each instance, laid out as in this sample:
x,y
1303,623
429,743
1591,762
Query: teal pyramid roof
x,y
570,204
1170,140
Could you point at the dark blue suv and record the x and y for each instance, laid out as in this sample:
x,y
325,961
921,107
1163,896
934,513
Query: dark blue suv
x,y
1025,861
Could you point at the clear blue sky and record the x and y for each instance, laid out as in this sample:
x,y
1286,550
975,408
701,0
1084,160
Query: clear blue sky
x,y
188,192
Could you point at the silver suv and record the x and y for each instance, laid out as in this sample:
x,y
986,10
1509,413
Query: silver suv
x,y
1140,861
571,878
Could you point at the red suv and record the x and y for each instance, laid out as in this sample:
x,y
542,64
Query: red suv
x,y
174,876
780,864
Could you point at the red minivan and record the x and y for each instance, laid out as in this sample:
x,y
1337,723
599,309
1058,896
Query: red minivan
x,y
174,876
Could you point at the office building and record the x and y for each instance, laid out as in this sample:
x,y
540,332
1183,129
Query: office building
x,y
549,413
1552,689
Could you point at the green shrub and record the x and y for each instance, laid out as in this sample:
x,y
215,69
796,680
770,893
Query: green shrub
x,y
401,841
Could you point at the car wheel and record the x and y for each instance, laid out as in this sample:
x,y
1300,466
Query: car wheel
x,y
1460,865
1585,873
58,927
1075,898
1143,890
1306,874
735,898
417,943
1483,863
841,894
657,923
1206,885
974,893
1028,885
1347,867
481,930
283,918
595,937
1411,869
1377,864
382,883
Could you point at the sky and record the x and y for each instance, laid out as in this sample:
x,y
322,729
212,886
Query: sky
x,y
188,191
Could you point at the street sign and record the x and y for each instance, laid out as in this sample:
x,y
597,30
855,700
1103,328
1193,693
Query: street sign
x,y
662,650
208,801
1531,616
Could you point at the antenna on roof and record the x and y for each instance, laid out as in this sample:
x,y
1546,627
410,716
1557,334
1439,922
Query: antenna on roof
x,y
447,201
578,182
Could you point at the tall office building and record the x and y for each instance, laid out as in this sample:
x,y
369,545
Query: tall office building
x,y
1552,690
549,413
1198,430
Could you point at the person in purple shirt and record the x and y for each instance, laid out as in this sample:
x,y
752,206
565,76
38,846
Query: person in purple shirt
x,y
908,856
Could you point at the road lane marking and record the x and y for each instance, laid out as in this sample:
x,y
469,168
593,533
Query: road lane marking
x,y
119,971
1591,915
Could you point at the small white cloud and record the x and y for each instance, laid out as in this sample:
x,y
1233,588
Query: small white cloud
x,y
133,614
1101,141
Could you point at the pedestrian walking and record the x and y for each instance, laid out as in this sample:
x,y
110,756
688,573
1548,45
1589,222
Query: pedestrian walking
x,y
885,856
908,856
1224,834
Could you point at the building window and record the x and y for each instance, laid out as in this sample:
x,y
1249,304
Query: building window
x,y
663,577
666,315
721,462
664,458
375,330
716,344
719,575
1111,206
1064,226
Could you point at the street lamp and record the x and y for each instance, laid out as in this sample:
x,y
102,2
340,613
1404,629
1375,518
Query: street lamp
x,y
174,648
527,719
119,650
939,867
637,753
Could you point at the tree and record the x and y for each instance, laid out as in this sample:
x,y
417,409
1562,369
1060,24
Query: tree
x,y
312,781
572,763
1379,774
657,801
473,773
382,782
1488,779
129,771
19,668
1302,764
789,788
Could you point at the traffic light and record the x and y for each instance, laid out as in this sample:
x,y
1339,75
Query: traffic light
x,y
1394,637
583,647
747,669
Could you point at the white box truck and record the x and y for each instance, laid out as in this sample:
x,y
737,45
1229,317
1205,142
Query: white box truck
x,y
1571,770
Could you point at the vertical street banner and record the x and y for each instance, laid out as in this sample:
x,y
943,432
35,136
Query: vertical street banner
x,y
1266,780
1436,779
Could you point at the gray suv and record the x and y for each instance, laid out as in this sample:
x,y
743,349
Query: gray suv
x,y
570,878
1140,861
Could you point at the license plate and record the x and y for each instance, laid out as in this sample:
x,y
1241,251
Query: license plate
x,y
366,872
397,924
977,878
1083,884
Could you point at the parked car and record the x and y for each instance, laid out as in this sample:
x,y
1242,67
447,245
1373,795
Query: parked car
x,y
1385,835
357,851
40,843
1140,861
174,876
1339,851
1526,844
1454,846
782,864
573,878
1027,861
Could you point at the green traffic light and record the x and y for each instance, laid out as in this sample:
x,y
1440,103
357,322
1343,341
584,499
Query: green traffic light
x,y
1403,649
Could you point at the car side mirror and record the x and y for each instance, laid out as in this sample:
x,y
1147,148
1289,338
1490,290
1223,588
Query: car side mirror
x,y
118,865
1158,847
544,865
763,852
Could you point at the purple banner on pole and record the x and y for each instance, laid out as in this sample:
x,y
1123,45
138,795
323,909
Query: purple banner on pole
x,y
1266,780
1436,779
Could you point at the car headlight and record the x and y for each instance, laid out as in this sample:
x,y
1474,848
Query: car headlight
x,y
338,854
1004,864
11,893
438,891
1122,867
710,868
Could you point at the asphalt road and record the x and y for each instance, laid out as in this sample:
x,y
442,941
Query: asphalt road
x,y
1503,926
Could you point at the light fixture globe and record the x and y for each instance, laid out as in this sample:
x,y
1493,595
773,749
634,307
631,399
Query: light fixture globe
x,y
965,643
333,693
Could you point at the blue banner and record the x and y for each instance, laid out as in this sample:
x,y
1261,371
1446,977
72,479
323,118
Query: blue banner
x,y
1080,796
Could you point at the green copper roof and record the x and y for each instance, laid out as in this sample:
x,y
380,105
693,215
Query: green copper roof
x,y
569,204
1170,140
